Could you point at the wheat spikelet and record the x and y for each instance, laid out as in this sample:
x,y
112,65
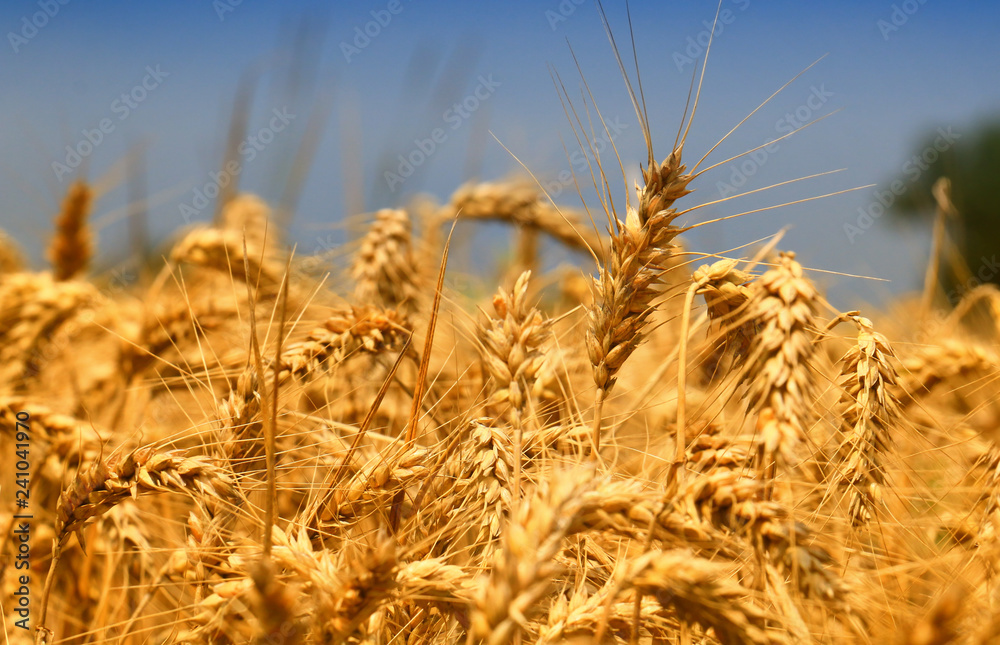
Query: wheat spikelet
x,y
640,247
385,270
69,442
11,258
426,593
487,470
107,483
727,297
249,215
358,329
344,592
275,607
174,328
511,347
222,250
870,411
204,556
778,369
523,570
347,595
221,615
639,254
578,618
70,249
55,428
241,425
727,499
988,536
710,451
521,204
952,360
379,480
626,508
32,308
702,592
433,578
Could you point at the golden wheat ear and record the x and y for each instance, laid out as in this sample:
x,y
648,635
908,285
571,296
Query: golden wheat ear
x,y
870,412
11,257
385,269
779,364
71,247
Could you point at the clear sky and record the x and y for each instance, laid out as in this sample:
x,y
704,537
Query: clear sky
x,y
119,75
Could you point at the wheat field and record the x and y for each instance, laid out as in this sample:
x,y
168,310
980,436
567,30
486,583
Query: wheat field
x,y
248,444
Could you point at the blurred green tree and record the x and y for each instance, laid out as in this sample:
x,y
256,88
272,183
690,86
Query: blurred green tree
x,y
971,161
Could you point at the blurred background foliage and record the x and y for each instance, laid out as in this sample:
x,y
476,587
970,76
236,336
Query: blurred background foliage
x,y
971,250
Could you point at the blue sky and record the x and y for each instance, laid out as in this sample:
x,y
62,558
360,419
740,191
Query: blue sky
x,y
892,71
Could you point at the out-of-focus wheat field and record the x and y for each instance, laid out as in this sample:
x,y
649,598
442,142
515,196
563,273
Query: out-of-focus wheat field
x,y
416,323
